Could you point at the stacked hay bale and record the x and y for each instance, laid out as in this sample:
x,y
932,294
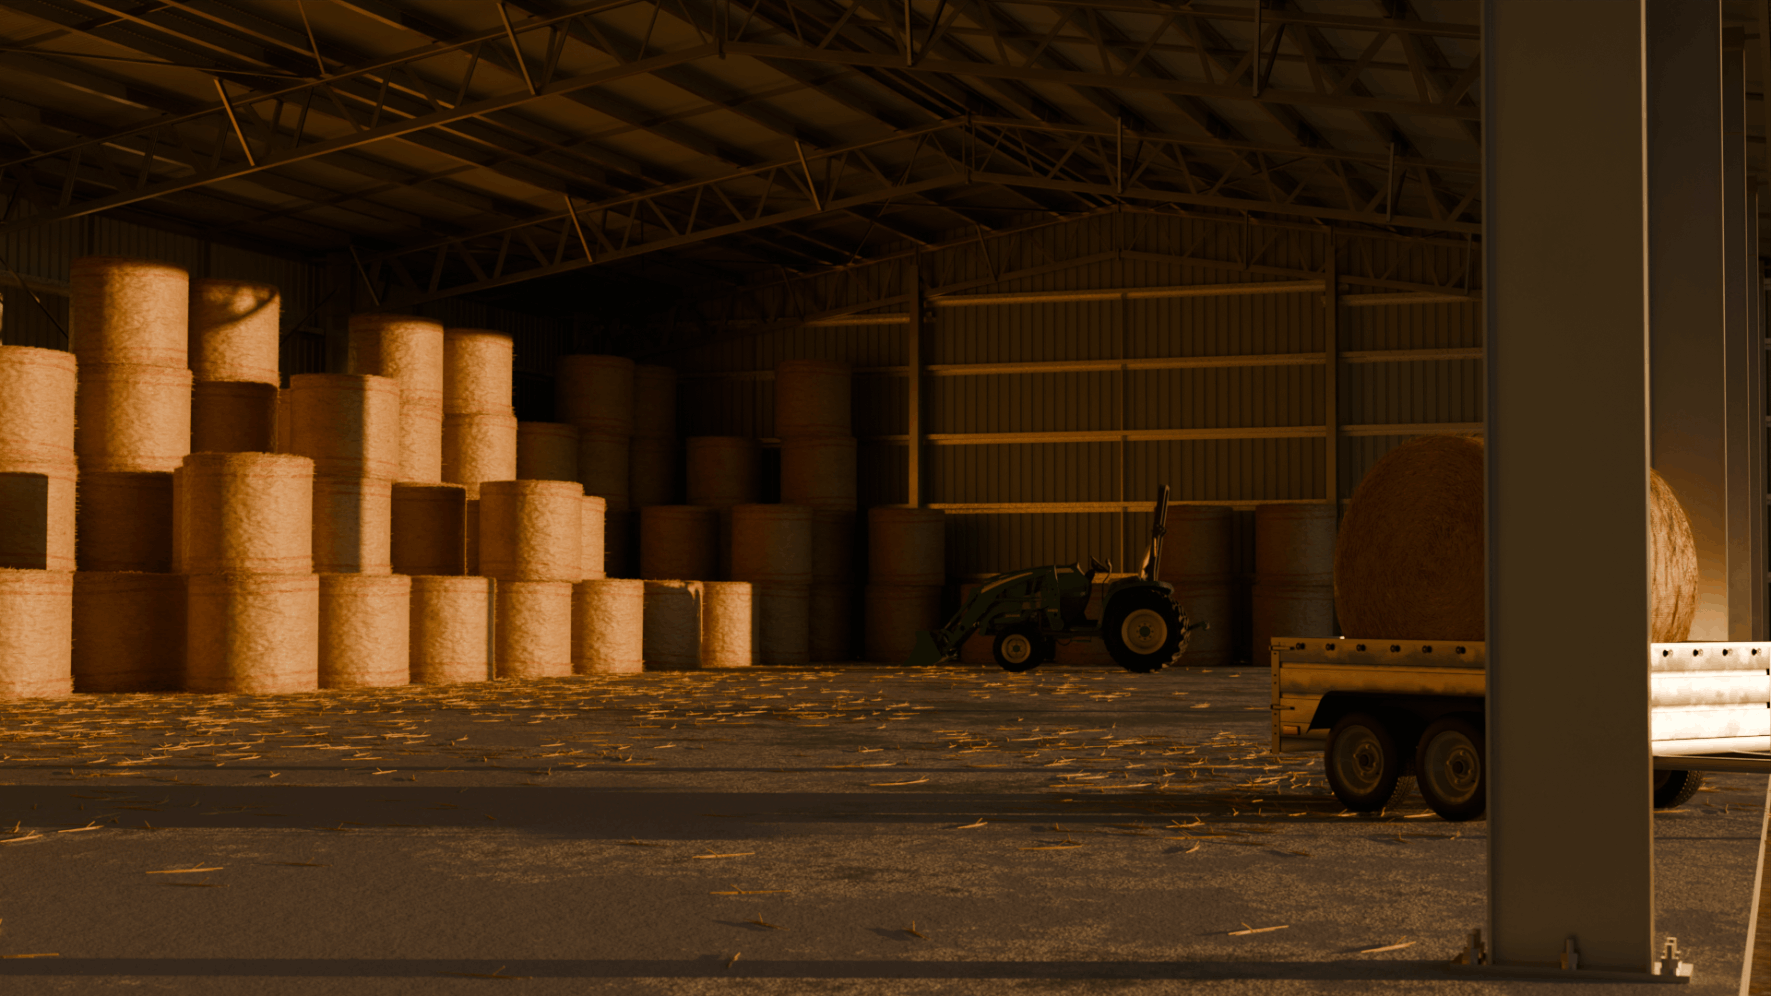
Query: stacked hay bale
x,y
679,543
596,394
233,343
531,544
906,569
449,621
651,473
1293,592
722,472
547,451
812,402
772,551
1197,560
37,474
479,421
408,349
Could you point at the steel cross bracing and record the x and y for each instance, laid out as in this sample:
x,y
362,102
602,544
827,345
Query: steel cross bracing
x,y
979,106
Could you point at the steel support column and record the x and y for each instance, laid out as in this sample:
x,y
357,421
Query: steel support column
x,y
913,338
1745,424
1567,476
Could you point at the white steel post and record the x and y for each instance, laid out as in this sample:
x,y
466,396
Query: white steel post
x,y
1746,428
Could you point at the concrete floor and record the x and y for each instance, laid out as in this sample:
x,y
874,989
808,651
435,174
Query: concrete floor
x,y
807,830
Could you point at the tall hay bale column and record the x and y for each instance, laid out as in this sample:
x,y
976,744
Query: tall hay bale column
x,y
479,422
365,626
728,624
907,566
233,343
772,549
608,626
36,633
349,425
531,542
722,472
596,394
812,401
1197,560
1294,574
448,638
408,349
37,463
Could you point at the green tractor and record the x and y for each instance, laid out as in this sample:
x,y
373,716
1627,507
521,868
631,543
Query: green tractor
x,y
1027,612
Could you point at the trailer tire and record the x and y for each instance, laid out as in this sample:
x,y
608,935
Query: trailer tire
x,y
1019,648
1144,630
1364,764
1675,788
1451,765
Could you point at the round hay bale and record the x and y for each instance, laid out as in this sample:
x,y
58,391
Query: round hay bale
x,y
410,350
470,536
722,470
603,467
37,390
128,632
547,451
1281,611
425,534
532,629
893,615
252,634
38,520
1208,602
772,543
133,311
654,401
532,531
36,633
678,542
234,416
1197,546
673,625
595,392
728,611
1294,544
1408,562
479,448
593,510
247,513
812,399
833,546
234,331
477,375
907,546
353,525
124,523
651,470
819,471
130,417
831,611
608,626
449,639
783,622
348,424
365,620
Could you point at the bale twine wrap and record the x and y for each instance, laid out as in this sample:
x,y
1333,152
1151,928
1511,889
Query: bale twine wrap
x,y
134,311
833,546
830,631
37,520
477,372
678,542
128,632
1294,544
234,416
132,417
252,634
1208,601
595,392
654,401
479,448
907,546
353,525
247,513
1279,611
235,331
592,511
425,534
410,350
532,632
728,624
1197,546
37,391
722,470
893,613
819,471
1408,563
36,633
651,470
603,467
783,622
608,626
348,424
124,523
470,535
812,399
448,636
673,625
532,531
772,543
365,620
547,451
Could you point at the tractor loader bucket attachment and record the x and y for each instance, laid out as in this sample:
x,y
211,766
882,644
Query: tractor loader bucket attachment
x,y
928,652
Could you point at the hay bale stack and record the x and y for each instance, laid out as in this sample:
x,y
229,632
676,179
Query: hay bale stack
x,y
124,523
234,416
37,463
426,535
128,631
286,425
1408,562
353,525
246,513
532,635
478,448
722,472
409,350
252,634
818,471
364,625
132,417
728,622
477,372
593,511
1293,593
129,311
772,549
603,470
348,424
547,451
595,392
470,535
894,613
906,571
830,609
678,542
37,521
812,399
672,625
532,531
783,633
36,633
1197,560
234,331
608,626
449,635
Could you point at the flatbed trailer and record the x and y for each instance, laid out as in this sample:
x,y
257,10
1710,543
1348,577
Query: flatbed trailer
x,y
1388,713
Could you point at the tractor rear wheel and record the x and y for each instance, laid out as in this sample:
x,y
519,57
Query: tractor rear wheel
x,y
1018,648
1144,629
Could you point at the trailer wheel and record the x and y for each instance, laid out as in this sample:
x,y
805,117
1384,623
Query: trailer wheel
x,y
1452,766
1144,630
1675,788
1018,648
1364,764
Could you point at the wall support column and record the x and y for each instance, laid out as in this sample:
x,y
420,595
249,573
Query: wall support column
x,y
1745,423
1331,378
913,334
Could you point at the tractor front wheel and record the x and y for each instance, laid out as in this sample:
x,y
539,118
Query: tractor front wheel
x,y
1144,630
1018,648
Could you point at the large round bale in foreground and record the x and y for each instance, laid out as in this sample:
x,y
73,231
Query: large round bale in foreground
x,y
1408,563
532,629
728,622
252,634
532,530
364,628
251,513
449,630
608,626
36,633
672,625
128,631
